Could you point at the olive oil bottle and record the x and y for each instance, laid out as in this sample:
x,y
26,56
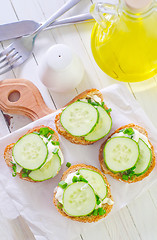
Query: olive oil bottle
x,y
124,39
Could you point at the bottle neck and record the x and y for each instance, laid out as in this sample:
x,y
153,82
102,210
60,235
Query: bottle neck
x,y
138,11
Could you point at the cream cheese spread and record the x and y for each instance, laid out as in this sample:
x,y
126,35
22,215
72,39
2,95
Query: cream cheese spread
x,y
135,137
93,98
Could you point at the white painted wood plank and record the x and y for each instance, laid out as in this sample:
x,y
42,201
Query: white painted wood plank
x,y
153,193
3,126
129,224
116,228
97,231
146,94
144,214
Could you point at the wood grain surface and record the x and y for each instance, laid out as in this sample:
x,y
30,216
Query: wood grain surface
x,y
138,220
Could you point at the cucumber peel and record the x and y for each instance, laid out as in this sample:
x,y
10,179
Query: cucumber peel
x,y
96,181
30,151
79,118
145,158
121,154
48,170
103,126
79,199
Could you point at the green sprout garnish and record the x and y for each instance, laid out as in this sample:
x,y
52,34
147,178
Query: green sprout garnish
x,y
97,199
129,131
125,177
79,179
49,137
108,110
14,169
129,174
74,179
101,211
25,172
89,100
95,103
68,164
95,212
55,142
82,179
62,184
45,131
102,104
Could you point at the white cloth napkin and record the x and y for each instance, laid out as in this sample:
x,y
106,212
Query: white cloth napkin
x,y
33,201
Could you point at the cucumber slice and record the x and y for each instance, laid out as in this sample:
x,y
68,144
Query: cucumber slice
x,y
79,199
145,157
96,181
103,126
121,153
79,118
30,151
48,170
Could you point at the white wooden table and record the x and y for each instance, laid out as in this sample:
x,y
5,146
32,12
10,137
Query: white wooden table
x,y
136,221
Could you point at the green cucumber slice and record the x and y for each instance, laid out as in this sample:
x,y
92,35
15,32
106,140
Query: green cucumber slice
x,y
79,199
96,181
103,126
121,154
30,151
48,170
79,118
145,157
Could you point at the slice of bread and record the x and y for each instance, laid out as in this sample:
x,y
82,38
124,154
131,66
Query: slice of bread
x,y
118,176
9,148
78,140
90,218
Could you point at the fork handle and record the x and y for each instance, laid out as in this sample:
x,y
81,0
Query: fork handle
x,y
30,102
68,5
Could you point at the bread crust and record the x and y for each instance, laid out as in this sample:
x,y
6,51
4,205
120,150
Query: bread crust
x,y
63,132
118,176
9,148
91,218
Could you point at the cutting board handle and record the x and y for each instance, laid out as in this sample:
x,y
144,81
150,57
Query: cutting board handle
x,y
20,96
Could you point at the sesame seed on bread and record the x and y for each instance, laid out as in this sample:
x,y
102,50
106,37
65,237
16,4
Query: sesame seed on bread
x,y
118,176
90,218
77,140
9,148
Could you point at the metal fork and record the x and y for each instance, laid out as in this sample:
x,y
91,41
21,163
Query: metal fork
x,y
20,50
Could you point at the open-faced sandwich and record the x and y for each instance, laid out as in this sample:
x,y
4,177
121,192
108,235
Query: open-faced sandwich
x,y
127,155
86,119
36,156
83,194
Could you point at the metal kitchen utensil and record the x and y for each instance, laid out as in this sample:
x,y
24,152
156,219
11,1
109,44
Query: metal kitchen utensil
x,y
20,50
22,28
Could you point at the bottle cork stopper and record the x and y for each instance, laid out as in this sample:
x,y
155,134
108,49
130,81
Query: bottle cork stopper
x,y
137,5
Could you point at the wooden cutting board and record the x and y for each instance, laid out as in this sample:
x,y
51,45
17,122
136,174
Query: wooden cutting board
x,y
20,96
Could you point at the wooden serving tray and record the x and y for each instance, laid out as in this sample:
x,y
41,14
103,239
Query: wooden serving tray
x,y
20,96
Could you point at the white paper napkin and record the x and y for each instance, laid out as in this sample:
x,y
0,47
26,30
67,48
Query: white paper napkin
x,y
33,201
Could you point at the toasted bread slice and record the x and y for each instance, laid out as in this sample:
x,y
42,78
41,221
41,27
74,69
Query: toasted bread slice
x,y
77,140
118,176
90,218
9,148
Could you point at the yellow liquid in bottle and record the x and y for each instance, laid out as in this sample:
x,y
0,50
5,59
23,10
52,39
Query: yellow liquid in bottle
x,y
128,50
